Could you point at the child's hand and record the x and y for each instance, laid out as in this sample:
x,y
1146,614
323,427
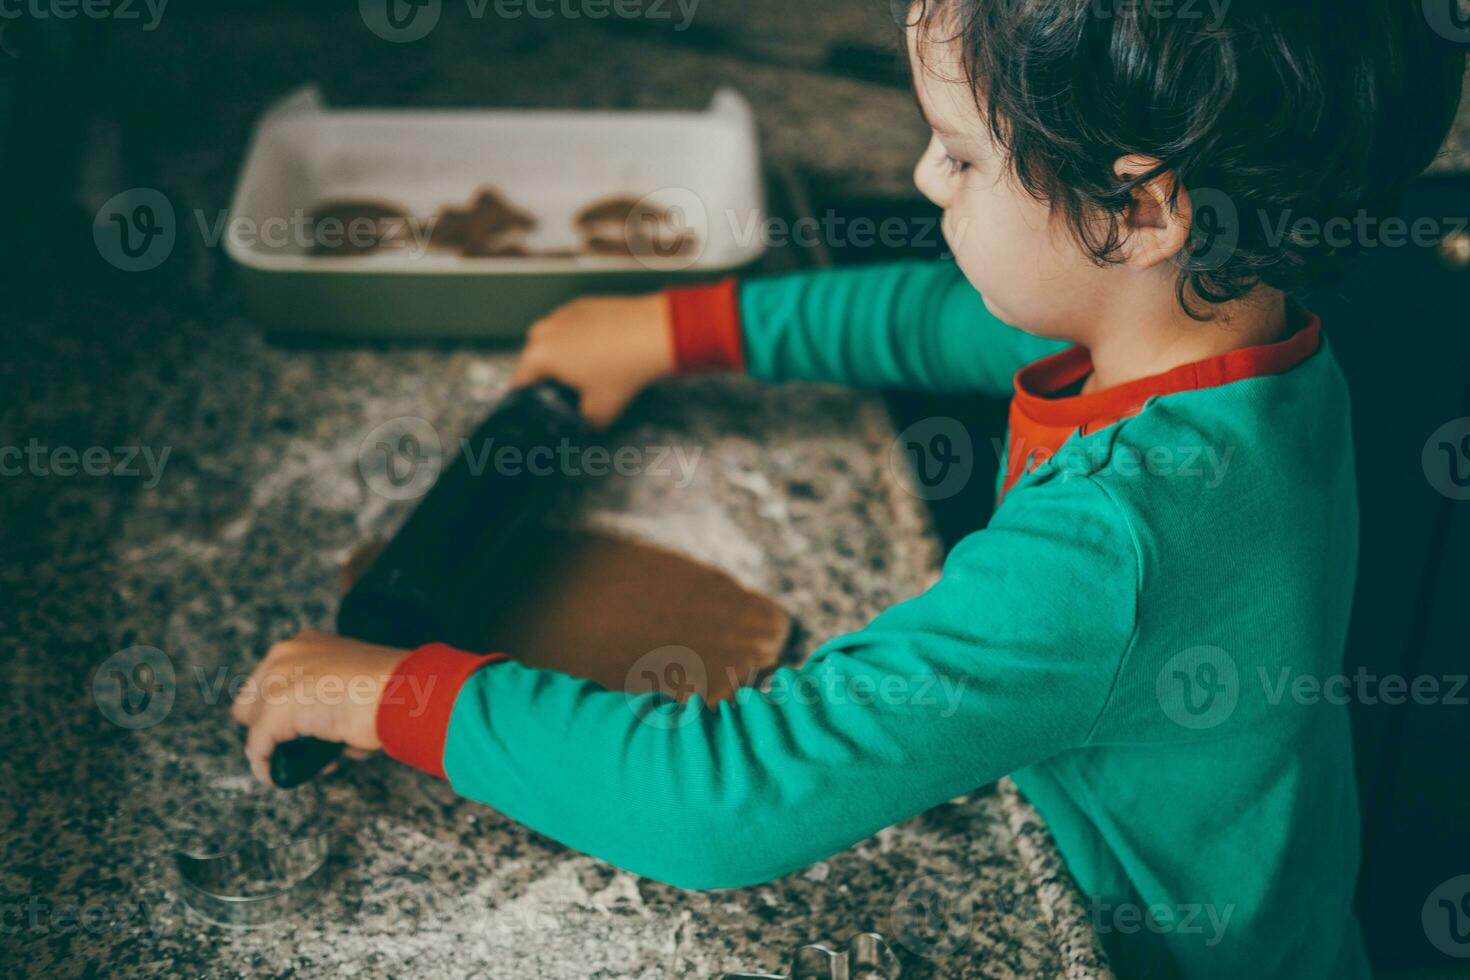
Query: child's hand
x,y
607,348
324,686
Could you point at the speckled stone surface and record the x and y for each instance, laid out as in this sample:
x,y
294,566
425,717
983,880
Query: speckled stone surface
x,y
260,497
238,545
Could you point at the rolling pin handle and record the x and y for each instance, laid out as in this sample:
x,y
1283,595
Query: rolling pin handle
x,y
393,603
299,760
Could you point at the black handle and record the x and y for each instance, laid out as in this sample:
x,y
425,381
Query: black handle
x,y
299,760
413,592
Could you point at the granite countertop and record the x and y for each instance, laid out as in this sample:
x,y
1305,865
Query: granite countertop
x,y
239,543
235,541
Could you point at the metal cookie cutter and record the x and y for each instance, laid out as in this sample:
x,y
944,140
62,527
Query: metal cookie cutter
x,y
252,855
867,956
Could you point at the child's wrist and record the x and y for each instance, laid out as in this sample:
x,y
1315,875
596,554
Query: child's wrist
x,y
662,355
704,323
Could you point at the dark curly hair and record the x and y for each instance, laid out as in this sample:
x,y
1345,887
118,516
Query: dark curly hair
x,y
1286,109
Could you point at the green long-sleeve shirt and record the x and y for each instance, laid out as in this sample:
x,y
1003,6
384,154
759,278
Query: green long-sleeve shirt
x,y
1115,638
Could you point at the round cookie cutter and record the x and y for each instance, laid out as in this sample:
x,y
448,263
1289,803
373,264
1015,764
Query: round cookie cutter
x,y
249,855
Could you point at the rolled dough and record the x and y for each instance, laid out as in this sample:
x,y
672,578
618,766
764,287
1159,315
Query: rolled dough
x,y
628,615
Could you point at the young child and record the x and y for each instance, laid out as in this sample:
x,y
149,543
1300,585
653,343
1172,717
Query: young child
x,y
1117,630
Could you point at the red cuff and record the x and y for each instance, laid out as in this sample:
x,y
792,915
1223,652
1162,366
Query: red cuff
x,y
413,713
706,325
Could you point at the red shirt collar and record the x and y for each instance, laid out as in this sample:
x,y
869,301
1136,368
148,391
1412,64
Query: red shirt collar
x,y
1035,382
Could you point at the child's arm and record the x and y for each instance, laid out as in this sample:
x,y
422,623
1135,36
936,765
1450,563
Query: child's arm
x,y
909,324
1009,659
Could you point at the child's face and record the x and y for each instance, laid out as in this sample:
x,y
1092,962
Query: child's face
x,y
1030,270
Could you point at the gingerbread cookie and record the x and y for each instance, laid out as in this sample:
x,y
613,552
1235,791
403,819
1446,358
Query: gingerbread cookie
x,y
488,227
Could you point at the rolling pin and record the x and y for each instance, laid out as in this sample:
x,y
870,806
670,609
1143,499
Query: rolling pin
x,y
415,590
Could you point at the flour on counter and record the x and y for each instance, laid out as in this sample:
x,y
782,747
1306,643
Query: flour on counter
x,y
694,520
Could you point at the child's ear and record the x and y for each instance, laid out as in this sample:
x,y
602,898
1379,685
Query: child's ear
x,y
1156,224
